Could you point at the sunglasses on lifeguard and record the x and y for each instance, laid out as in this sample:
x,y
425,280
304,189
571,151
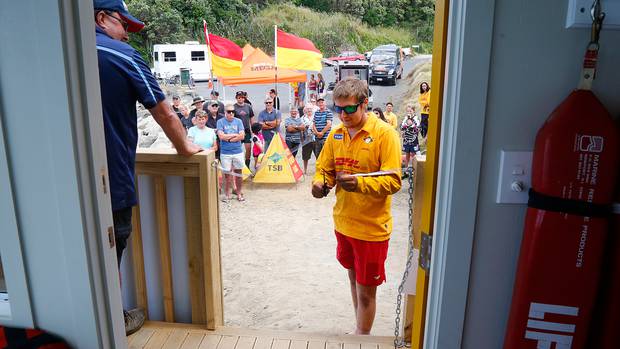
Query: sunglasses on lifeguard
x,y
349,109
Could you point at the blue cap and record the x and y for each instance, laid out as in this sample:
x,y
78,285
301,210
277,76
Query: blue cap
x,y
134,25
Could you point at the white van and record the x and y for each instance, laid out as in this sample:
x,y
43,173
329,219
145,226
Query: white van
x,y
168,59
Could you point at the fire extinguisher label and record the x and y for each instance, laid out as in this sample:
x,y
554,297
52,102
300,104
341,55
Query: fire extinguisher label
x,y
538,330
583,239
590,144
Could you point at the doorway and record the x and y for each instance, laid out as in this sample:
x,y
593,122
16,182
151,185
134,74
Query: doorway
x,y
109,276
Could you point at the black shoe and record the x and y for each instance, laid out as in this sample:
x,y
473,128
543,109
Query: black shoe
x,y
134,319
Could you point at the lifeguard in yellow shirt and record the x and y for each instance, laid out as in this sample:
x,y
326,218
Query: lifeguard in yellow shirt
x,y
392,119
361,159
424,99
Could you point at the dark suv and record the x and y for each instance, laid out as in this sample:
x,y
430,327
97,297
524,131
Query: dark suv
x,y
386,64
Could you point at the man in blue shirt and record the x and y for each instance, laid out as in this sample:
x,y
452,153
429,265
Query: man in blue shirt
x,y
126,79
322,125
269,119
231,132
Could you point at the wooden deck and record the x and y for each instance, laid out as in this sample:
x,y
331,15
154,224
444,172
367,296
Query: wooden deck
x,y
156,335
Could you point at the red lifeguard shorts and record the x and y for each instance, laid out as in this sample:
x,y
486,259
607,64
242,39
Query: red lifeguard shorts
x,y
367,258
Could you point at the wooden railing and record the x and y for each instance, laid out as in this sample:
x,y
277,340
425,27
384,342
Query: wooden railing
x,y
200,192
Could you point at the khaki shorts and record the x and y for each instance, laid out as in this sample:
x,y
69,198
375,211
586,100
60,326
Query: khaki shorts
x,y
232,161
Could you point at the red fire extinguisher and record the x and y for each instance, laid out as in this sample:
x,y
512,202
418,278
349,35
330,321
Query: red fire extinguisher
x,y
574,174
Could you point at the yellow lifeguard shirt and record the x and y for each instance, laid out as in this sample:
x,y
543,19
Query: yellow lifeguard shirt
x,y
366,213
392,119
424,100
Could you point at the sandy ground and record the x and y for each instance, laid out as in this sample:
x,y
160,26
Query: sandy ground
x,y
279,265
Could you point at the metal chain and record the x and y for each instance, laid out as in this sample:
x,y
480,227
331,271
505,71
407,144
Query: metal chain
x,y
398,340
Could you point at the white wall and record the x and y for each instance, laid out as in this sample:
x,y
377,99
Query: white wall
x,y
535,63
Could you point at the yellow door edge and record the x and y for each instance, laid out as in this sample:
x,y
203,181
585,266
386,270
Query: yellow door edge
x,y
432,155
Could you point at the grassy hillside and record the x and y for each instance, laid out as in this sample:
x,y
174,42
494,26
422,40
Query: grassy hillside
x,y
331,33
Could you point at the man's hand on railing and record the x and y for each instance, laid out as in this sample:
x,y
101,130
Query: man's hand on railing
x,y
174,130
189,149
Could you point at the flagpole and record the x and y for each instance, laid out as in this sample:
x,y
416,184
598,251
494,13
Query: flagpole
x,y
275,58
204,24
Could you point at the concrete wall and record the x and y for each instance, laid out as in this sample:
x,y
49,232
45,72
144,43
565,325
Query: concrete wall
x,y
535,63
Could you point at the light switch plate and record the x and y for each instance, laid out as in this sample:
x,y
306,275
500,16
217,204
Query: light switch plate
x,y
515,170
578,14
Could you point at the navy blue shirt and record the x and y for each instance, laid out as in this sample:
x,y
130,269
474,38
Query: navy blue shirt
x,y
125,79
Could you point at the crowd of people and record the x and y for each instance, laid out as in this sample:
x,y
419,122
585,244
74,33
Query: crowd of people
x,y
237,134
362,213
306,128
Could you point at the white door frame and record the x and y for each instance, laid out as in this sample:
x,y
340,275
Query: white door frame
x,y
78,29
19,312
467,71
469,43
52,157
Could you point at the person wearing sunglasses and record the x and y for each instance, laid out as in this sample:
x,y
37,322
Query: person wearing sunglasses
x,y
125,79
269,119
231,132
362,144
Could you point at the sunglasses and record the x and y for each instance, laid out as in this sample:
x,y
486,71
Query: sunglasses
x,y
230,111
268,102
349,109
123,23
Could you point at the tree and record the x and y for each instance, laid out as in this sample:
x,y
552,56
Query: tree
x,y
175,21
163,25
192,13
421,15
318,5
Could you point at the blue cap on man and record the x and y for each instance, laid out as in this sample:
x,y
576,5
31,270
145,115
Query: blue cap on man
x,y
134,25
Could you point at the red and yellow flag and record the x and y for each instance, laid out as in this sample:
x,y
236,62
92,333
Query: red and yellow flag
x,y
226,56
297,53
